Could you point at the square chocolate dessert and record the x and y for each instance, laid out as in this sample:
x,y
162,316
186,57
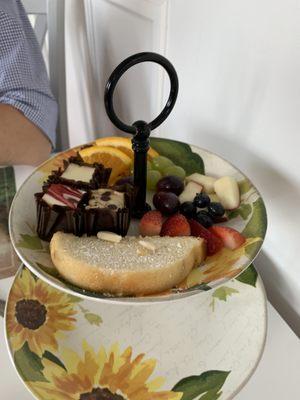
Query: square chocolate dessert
x,y
72,210
77,173
58,209
109,209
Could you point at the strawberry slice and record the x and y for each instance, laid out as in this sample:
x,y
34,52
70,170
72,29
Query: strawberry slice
x,y
214,243
231,238
151,223
177,225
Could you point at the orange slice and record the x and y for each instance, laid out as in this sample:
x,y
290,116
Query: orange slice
x,y
110,157
123,144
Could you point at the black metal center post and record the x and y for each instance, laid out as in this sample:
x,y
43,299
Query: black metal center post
x,y
140,129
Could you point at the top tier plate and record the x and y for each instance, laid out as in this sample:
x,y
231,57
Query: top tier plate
x,y
250,219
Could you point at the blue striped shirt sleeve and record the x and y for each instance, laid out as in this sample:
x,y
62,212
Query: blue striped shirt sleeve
x,y
24,82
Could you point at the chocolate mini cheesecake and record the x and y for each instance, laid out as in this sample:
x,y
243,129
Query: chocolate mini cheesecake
x,y
76,173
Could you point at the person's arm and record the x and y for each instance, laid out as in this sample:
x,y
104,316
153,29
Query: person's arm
x,y
28,110
22,142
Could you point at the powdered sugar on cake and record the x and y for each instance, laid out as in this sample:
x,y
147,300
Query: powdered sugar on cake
x,y
129,254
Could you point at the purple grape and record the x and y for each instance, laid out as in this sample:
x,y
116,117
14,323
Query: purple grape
x,y
166,202
170,183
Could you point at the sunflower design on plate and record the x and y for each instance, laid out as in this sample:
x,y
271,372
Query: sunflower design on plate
x,y
225,264
37,314
101,375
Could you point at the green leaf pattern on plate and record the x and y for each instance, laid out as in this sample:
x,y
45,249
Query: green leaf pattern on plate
x,y
32,242
29,364
51,357
209,384
222,293
244,185
243,211
75,299
92,318
257,224
249,276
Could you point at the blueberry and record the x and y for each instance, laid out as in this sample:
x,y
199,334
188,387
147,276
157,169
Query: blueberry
x,y
188,209
216,209
204,219
201,200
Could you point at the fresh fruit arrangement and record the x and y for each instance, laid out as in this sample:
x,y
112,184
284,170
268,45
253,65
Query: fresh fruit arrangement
x,y
191,205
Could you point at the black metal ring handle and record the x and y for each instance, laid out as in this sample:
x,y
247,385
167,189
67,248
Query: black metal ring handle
x,y
140,129
121,69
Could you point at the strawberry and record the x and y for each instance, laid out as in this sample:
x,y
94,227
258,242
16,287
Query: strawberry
x,y
151,223
231,238
176,225
214,243
218,220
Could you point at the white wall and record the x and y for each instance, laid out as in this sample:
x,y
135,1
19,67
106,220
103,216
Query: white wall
x,y
239,70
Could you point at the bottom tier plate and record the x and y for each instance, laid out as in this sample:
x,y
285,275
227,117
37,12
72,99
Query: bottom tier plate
x,y
201,347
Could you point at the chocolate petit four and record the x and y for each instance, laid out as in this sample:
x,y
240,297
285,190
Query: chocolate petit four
x,y
77,173
58,209
109,209
66,207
